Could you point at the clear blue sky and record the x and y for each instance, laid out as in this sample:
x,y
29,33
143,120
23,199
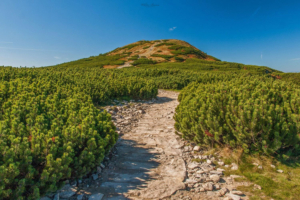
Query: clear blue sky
x,y
48,32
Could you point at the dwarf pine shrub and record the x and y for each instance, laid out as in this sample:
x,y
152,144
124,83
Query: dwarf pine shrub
x,y
258,114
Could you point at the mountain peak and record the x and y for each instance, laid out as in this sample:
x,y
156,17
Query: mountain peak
x,y
157,51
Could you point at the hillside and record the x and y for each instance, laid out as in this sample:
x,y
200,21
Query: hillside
x,y
171,54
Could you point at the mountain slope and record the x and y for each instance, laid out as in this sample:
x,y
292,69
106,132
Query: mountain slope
x,y
170,53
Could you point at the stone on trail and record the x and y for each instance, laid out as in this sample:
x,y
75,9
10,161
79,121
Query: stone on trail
x,y
98,196
67,191
233,197
208,186
280,171
215,178
237,192
193,165
196,148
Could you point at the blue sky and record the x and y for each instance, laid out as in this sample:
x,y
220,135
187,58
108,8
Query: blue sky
x,y
47,32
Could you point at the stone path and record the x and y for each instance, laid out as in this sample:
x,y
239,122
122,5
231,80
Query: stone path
x,y
150,161
149,164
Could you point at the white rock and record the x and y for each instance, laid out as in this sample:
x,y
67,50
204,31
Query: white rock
x,y
280,171
221,163
208,186
237,192
98,196
233,197
215,178
200,172
260,167
208,161
273,166
257,186
220,170
226,166
234,166
202,190
193,165
222,192
255,164
196,148
235,176
216,172
217,187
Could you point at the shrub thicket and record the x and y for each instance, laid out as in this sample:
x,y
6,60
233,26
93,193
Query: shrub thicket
x,y
50,128
257,114
143,61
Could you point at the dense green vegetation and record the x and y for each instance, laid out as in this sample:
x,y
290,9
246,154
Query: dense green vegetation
x,y
167,57
257,114
291,77
143,61
50,127
198,65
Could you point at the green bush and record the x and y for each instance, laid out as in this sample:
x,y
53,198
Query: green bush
x,y
143,61
146,47
167,57
179,59
50,127
134,57
257,114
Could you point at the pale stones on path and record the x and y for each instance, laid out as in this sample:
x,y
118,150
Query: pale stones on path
x,y
196,148
237,192
222,192
67,191
280,171
208,161
215,178
216,172
235,176
193,165
234,166
97,196
208,186
232,197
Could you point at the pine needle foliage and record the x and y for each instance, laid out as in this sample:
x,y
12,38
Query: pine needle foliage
x,y
50,128
258,114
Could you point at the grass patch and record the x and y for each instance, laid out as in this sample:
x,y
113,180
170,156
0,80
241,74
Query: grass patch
x,y
282,186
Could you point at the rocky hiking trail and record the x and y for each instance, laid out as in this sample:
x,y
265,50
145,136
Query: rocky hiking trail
x,y
150,161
